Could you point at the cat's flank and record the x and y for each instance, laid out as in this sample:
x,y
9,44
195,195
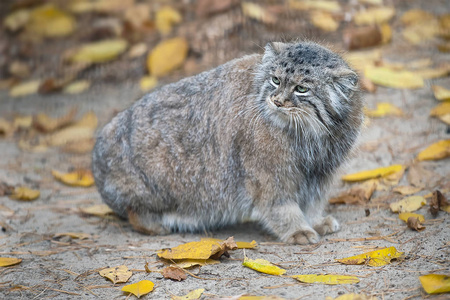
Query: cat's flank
x,y
258,138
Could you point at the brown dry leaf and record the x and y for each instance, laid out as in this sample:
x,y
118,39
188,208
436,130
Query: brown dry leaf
x,y
383,109
406,190
436,151
99,210
174,273
19,69
148,83
6,128
362,37
358,194
16,20
328,6
257,12
393,78
25,88
209,7
83,178
420,177
117,274
137,15
414,224
444,47
98,52
441,93
77,87
421,32
80,146
25,194
48,21
438,202
415,16
408,204
166,18
167,56
9,261
74,235
45,123
375,15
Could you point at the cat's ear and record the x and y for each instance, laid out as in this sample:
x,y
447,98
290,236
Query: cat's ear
x,y
345,82
272,50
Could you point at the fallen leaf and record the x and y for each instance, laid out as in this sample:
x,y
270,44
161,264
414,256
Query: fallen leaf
x,y
404,216
9,261
361,59
445,118
79,147
407,190
195,294
166,17
374,173
438,150
375,15
209,7
329,6
203,249
16,20
353,296
89,119
82,178
99,52
375,258
327,279
386,33
117,274
384,109
415,16
441,109
188,263
246,245
140,288
25,194
69,135
438,202
45,123
444,47
137,50
49,21
435,283
148,83
23,122
422,31
99,210
358,194
6,128
25,88
77,87
392,78
420,177
362,37
101,6
431,73
257,12
167,56
74,235
408,204
263,266
5,189
174,273
415,224
19,69
137,15
441,93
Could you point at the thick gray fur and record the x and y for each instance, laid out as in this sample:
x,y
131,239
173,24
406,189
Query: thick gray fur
x,y
228,145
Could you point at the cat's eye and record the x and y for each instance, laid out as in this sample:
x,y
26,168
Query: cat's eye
x,y
275,81
301,89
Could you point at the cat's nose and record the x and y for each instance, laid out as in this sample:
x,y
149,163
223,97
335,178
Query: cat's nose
x,y
278,103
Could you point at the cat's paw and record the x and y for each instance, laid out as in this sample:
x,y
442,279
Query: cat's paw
x,y
328,225
304,237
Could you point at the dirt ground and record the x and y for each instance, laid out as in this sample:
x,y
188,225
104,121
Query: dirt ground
x,y
67,268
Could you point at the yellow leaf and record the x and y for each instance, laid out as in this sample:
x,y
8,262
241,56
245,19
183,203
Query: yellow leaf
x,y
99,52
187,263
327,279
415,16
408,204
263,266
69,135
147,83
386,33
405,215
329,6
375,15
166,17
435,283
25,89
45,123
406,190
421,31
83,178
24,193
260,298
89,119
99,210
384,109
430,73
140,288
374,173
80,146
445,118
101,6
77,87
324,21
375,258
440,110
74,235
195,294
9,261
203,249
391,78
361,59
353,296
167,56
441,93
257,12
438,150
49,21
246,245
117,274
17,19
23,122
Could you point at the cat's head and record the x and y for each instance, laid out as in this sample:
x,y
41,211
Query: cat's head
x,y
306,87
